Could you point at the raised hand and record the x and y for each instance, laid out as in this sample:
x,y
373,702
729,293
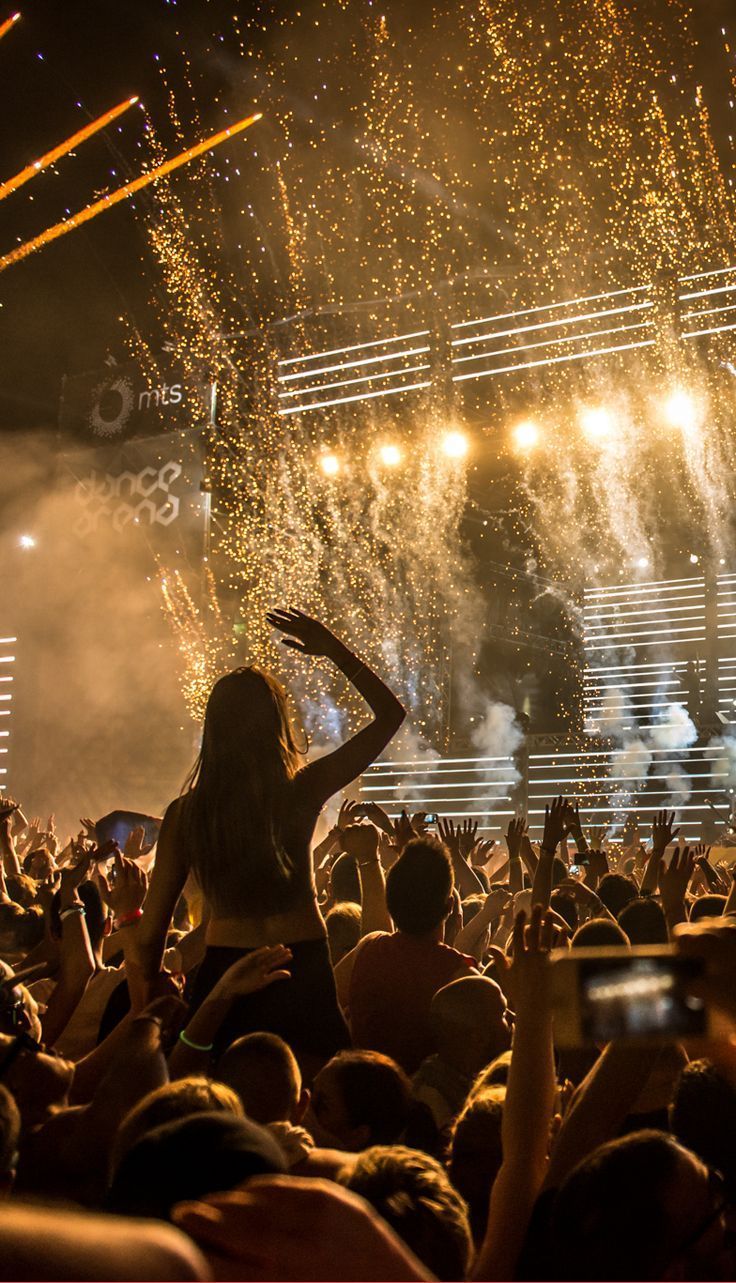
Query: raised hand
x,y
403,831
376,814
481,851
135,847
467,831
555,825
516,831
674,880
347,815
662,831
450,835
8,807
700,852
255,971
306,635
125,890
361,841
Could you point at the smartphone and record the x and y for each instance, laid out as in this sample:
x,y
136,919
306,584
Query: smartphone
x,y
577,870
626,994
118,826
430,817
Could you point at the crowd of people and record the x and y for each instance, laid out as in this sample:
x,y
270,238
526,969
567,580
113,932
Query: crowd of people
x,y
238,1054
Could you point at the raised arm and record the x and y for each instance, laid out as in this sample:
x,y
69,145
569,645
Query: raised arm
x,y
554,831
147,938
326,776
529,1103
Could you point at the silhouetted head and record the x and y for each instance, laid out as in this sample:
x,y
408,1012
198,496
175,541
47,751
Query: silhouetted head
x,y
247,713
419,886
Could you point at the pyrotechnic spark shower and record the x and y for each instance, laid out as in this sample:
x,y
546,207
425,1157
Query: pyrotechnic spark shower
x,y
122,193
56,153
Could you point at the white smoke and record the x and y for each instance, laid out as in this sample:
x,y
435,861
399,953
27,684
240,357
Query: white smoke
x,y
674,729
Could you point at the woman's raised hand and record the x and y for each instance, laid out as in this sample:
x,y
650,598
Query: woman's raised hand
x,y
307,635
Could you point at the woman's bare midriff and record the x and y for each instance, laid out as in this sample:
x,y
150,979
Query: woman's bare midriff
x,y
303,923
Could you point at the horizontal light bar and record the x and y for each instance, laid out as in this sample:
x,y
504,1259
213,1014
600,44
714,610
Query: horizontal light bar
x,y
640,587
343,400
717,289
546,325
555,342
708,311
353,365
715,329
590,639
699,276
354,347
683,641
548,307
552,360
364,378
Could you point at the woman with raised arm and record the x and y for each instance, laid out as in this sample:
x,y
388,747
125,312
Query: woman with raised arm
x,y
243,828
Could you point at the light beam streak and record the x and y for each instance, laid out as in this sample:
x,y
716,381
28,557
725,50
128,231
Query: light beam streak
x,y
49,157
8,24
122,193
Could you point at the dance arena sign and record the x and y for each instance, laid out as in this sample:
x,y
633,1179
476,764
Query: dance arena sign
x,y
124,402
147,486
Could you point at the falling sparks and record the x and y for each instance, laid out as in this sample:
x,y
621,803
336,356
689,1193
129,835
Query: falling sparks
x,y
533,157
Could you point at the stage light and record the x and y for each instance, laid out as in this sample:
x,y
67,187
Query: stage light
x,y
390,455
526,435
694,559
26,541
681,410
330,465
642,563
596,423
455,445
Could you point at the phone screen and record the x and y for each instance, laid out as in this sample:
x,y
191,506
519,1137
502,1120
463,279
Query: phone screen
x,y
118,826
638,997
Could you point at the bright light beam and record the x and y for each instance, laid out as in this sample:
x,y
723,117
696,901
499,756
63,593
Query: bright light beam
x,y
68,145
8,24
122,193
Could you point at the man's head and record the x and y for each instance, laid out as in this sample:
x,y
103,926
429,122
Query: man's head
x,y
599,933
476,1152
20,929
644,922
359,1098
262,1069
39,1082
39,864
564,904
412,1193
419,887
180,1099
189,1158
470,1021
616,891
343,929
707,906
703,1117
640,1207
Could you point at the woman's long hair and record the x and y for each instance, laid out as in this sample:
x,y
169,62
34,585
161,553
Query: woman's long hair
x,y
236,796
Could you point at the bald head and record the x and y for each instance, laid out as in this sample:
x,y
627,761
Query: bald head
x,y
471,1011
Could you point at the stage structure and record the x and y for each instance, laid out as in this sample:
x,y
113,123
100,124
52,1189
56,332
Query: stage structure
x,y
433,349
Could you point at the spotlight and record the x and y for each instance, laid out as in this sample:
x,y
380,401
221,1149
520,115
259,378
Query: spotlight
x,y
642,563
526,435
681,410
455,445
596,423
390,455
26,541
330,464
694,559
